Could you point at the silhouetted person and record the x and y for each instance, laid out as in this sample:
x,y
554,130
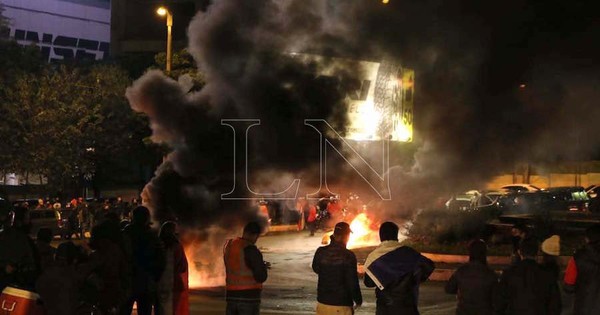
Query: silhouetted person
x,y
245,272
108,264
60,284
474,283
527,289
396,271
519,232
550,253
583,275
173,291
148,262
44,249
19,262
338,291
311,220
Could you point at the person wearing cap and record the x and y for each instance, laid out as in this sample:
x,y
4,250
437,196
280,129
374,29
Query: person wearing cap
x,y
338,290
527,289
396,271
582,276
474,283
550,253
245,272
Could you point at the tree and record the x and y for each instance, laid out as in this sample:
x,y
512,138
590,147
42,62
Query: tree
x,y
15,61
71,122
183,67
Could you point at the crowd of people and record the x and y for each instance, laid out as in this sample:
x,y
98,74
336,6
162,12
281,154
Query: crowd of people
x,y
123,263
80,214
127,263
529,286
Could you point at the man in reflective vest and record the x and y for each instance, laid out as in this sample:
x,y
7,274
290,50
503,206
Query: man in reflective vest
x,y
245,272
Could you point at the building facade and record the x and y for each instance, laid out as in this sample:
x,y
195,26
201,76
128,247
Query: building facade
x,y
63,29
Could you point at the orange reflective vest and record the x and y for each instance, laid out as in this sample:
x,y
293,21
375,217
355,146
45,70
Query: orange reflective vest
x,y
238,275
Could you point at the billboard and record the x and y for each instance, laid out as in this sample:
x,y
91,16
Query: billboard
x,y
381,105
63,30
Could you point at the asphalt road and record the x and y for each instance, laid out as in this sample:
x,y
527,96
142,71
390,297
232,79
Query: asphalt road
x,y
291,287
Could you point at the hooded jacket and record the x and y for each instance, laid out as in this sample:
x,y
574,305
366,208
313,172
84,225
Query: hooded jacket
x,y
583,276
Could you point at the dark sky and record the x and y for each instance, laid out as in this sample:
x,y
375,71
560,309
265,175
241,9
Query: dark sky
x,y
522,32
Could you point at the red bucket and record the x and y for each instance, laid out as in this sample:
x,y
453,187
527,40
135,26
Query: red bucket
x,y
15,301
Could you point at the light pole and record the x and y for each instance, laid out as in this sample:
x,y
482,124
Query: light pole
x,y
162,11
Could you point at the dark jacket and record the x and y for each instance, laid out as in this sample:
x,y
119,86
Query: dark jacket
x,y
147,258
59,287
338,276
18,251
402,297
108,265
527,289
475,284
46,253
587,284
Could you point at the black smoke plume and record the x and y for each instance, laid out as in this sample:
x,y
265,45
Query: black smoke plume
x,y
472,120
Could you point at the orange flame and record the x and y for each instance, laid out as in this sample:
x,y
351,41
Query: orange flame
x,y
363,232
204,270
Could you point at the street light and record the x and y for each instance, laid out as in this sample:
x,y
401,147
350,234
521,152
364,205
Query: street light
x,y
162,11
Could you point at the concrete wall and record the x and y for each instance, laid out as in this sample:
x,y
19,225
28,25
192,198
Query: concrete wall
x,y
63,29
545,181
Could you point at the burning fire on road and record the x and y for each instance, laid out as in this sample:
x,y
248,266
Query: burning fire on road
x,y
365,232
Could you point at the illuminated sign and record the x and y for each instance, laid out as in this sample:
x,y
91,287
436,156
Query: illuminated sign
x,y
381,107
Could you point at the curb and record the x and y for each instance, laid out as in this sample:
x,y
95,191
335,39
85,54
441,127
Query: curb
x,y
283,228
444,274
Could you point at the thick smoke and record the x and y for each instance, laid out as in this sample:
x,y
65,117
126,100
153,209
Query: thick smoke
x,y
472,120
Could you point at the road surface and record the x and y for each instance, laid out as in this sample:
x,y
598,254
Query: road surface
x,y
292,285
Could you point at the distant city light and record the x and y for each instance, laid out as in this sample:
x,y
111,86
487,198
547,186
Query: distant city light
x,y
522,86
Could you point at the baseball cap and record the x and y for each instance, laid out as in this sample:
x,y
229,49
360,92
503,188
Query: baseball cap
x,y
342,228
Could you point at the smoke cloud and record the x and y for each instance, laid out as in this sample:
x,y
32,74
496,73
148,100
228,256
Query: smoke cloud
x,y
471,118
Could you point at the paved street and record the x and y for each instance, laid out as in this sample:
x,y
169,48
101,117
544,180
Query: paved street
x,y
291,287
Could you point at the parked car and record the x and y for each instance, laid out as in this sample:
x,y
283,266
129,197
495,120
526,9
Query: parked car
x,y
462,201
516,188
55,220
20,202
574,199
